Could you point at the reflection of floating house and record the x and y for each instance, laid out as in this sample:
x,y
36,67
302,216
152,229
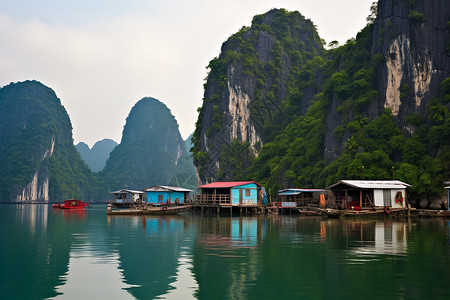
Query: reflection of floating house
x,y
388,238
243,194
292,198
160,194
358,194
127,196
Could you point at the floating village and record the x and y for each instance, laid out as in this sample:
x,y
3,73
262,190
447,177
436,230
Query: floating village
x,y
346,198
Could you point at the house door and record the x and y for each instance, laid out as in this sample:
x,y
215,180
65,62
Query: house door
x,y
240,196
387,197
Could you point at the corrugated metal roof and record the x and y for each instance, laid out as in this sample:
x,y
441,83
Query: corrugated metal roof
x,y
227,184
124,191
372,184
164,188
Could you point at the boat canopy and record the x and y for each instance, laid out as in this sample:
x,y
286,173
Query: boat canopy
x,y
288,192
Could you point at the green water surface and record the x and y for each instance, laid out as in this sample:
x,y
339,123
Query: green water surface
x,y
48,253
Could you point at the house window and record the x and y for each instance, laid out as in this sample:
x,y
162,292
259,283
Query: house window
x,y
247,192
160,198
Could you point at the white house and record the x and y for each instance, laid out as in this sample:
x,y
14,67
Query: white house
x,y
357,194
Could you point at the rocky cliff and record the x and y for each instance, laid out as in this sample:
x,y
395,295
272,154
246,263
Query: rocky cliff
x,y
151,152
412,36
409,40
35,145
246,87
376,107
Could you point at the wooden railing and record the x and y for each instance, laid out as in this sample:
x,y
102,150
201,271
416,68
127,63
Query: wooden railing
x,y
213,199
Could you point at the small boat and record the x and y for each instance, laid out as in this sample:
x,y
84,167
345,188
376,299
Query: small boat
x,y
71,204
308,212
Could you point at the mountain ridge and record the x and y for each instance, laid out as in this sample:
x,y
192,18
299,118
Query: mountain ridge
x,y
96,156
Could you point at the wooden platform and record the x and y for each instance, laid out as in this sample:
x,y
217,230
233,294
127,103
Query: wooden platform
x,y
150,210
337,213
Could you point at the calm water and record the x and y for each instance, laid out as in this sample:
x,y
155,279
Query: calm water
x,y
47,253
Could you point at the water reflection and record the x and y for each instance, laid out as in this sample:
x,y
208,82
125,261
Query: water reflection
x,y
225,256
185,285
48,254
35,216
91,276
225,236
386,238
70,214
155,254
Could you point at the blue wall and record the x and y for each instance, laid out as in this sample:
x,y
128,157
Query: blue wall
x,y
152,197
252,199
244,233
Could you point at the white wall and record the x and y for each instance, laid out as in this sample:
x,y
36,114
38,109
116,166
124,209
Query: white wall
x,y
378,195
379,199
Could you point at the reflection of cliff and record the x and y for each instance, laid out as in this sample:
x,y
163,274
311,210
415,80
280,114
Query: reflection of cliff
x,y
151,251
34,247
90,276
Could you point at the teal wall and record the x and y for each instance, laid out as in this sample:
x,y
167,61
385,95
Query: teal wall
x,y
252,199
152,197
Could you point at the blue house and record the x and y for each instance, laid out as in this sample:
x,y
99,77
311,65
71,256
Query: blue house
x,y
236,193
166,195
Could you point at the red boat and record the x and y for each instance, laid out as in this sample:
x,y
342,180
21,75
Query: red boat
x,y
71,204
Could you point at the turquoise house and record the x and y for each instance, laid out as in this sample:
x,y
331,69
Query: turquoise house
x,y
235,193
167,195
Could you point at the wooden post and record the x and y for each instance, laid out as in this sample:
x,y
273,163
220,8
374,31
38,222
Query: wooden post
x,y
360,198
345,200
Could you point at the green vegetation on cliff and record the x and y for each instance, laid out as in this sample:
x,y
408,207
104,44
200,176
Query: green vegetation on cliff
x,y
375,148
267,57
36,142
322,121
39,161
151,152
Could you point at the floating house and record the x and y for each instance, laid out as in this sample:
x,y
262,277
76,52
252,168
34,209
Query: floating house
x,y
167,195
235,193
360,194
127,196
291,198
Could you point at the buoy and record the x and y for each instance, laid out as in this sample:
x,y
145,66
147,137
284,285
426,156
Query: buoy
x,y
387,210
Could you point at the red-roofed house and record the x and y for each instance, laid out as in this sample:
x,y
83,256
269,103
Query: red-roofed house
x,y
236,193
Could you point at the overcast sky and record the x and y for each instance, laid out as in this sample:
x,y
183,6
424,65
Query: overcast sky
x,y
102,56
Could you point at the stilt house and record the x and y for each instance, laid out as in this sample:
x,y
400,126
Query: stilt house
x,y
358,194
236,193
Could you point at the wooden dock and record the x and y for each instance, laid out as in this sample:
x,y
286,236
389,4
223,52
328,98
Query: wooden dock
x,y
149,210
